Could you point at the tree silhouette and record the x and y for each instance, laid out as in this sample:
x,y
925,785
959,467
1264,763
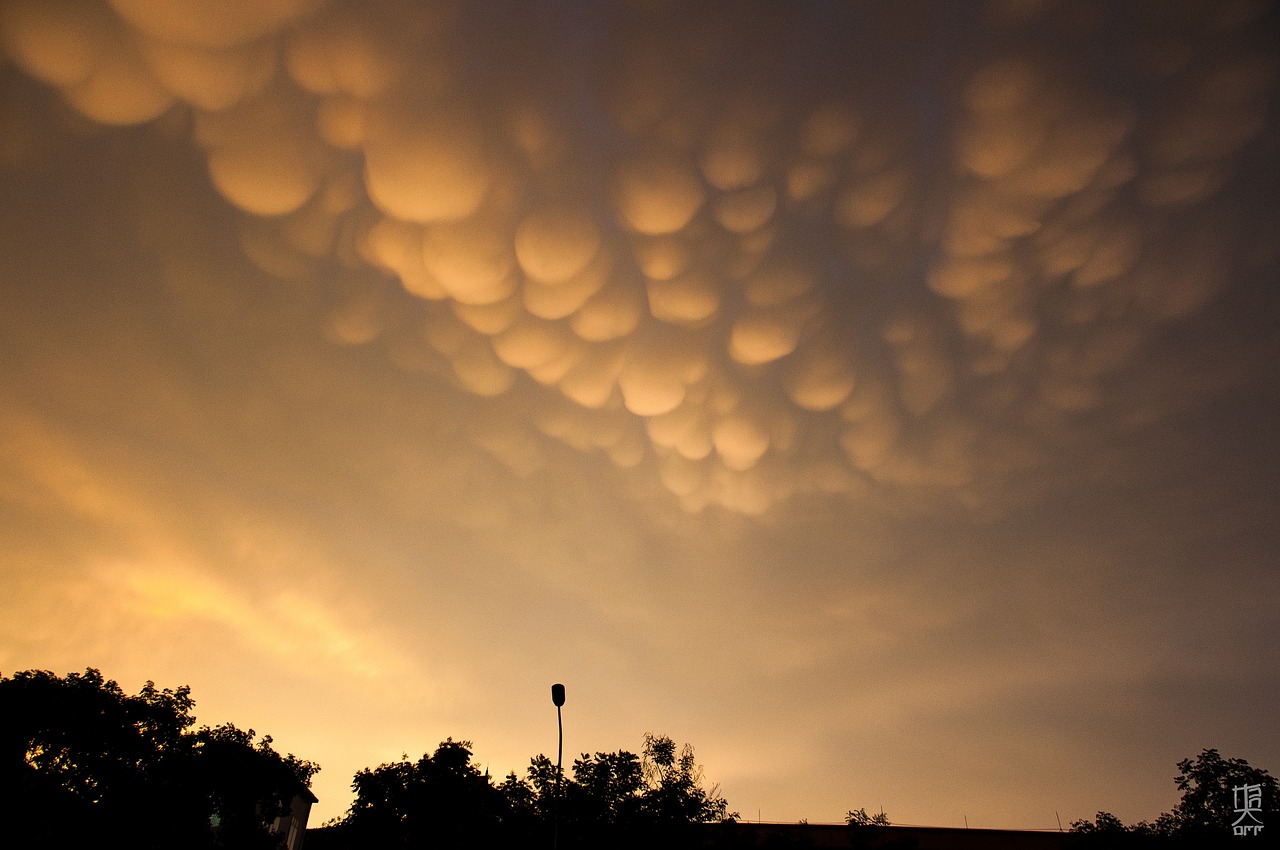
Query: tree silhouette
x,y
80,757
620,799
246,784
675,793
441,800
613,799
1104,823
82,761
1209,808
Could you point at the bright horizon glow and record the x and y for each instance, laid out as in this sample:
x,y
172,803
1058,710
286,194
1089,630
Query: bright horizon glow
x,y
881,402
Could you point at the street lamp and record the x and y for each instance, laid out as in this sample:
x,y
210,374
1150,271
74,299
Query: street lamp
x,y
557,696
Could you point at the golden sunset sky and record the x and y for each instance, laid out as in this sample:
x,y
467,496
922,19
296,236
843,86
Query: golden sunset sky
x,y
881,397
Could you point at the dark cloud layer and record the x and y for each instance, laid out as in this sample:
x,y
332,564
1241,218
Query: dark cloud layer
x,y
908,367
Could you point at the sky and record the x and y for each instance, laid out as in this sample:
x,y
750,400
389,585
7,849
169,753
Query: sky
x,y
880,397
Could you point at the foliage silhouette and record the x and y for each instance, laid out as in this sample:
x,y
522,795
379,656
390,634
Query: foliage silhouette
x,y
1104,823
614,799
441,800
82,761
859,817
1207,805
247,784
675,794
1206,812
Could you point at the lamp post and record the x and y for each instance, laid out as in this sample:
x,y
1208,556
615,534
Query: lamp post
x,y
557,697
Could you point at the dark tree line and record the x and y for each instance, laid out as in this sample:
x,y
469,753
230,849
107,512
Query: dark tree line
x,y
616,799
83,764
1213,803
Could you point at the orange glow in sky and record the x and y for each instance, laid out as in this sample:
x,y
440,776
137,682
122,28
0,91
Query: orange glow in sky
x,y
880,397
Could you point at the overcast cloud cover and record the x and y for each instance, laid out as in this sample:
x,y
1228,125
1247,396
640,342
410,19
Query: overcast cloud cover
x,y
881,397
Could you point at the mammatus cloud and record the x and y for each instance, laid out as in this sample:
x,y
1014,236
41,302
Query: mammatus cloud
x,y
377,350
735,292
